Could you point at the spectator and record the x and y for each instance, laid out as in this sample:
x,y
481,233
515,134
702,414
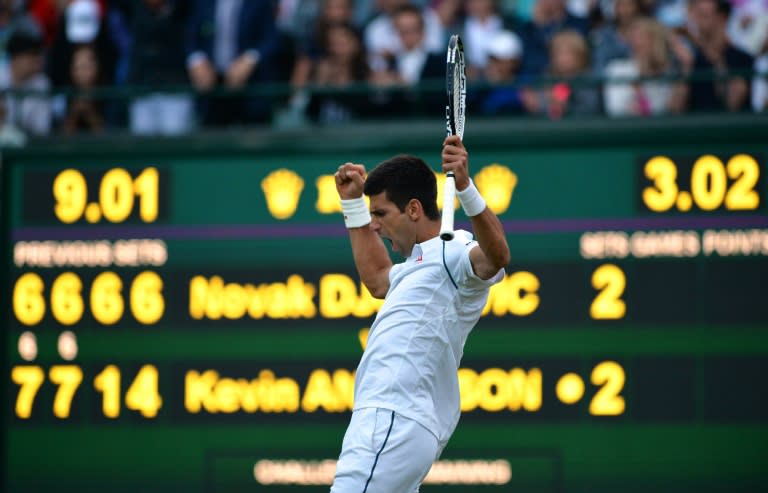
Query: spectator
x,y
30,113
483,20
650,58
505,52
748,25
382,40
451,15
715,56
760,82
569,55
311,46
13,19
84,114
610,40
82,23
343,65
157,59
230,45
549,18
412,65
414,61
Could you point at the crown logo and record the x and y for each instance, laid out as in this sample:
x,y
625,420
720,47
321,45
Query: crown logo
x,y
327,196
496,184
282,189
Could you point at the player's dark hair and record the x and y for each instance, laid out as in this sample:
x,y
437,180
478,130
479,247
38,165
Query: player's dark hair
x,y
403,178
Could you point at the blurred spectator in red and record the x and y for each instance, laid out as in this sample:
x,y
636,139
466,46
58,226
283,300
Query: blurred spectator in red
x,y
502,97
569,60
715,56
549,18
382,40
482,21
157,60
46,13
84,113
651,57
30,113
343,64
610,40
230,45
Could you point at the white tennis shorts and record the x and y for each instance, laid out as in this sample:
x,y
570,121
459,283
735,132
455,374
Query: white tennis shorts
x,y
384,452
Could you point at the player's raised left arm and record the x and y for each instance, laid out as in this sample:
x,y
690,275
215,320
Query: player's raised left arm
x,y
492,252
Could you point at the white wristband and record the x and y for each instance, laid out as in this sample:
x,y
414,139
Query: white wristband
x,y
356,213
471,200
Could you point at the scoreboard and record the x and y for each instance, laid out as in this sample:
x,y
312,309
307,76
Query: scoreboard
x,y
186,316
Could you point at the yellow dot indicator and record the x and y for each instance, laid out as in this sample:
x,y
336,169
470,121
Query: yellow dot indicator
x,y
570,388
684,201
93,213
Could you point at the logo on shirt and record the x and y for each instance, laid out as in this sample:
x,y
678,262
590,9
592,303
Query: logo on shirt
x,y
420,259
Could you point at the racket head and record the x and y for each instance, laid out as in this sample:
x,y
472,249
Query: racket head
x,y
456,87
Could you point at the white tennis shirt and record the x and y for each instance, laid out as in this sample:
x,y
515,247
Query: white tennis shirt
x,y
416,343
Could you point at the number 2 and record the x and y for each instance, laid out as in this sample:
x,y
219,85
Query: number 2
x,y
607,401
610,281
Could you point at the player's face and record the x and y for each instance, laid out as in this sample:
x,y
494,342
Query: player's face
x,y
392,224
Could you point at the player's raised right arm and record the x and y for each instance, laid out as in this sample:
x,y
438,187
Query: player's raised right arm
x,y
371,256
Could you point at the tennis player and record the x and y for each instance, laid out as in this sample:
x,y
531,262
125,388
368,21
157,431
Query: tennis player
x,y
406,387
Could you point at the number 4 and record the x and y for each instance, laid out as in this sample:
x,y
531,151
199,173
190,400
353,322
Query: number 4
x,y
142,395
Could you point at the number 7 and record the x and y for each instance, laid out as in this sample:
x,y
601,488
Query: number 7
x,y
30,378
68,378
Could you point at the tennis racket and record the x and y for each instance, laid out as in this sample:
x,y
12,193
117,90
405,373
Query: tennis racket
x,y
456,87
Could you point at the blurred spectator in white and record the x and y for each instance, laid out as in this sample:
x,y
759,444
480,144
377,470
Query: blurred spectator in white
x,y
10,135
230,45
382,41
342,65
414,61
569,60
483,20
412,65
84,113
610,40
748,25
30,113
651,57
549,18
760,82
500,96
716,57
157,59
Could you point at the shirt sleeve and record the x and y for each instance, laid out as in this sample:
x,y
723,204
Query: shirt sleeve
x,y
467,278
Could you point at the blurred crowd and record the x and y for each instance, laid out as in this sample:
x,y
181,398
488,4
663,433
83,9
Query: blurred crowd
x,y
187,64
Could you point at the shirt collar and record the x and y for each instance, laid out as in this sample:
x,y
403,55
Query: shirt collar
x,y
435,243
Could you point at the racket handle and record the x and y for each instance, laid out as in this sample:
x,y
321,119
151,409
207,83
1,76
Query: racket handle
x,y
449,196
